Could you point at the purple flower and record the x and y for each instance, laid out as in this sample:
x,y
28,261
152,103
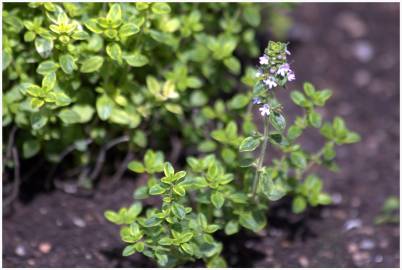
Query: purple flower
x,y
283,70
256,100
270,82
265,110
264,60
287,51
291,76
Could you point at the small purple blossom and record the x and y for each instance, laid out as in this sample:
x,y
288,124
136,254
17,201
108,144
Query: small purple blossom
x,y
283,70
291,76
270,82
256,100
287,51
272,70
264,60
265,110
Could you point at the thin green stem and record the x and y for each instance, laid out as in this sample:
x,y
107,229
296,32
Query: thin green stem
x,y
261,157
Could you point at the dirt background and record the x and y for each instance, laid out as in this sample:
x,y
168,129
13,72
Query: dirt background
x,y
352,49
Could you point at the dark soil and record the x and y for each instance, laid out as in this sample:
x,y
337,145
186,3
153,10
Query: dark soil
x,y
349,48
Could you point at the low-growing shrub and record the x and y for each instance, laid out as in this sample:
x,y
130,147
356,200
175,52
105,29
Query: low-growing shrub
x,y
81,78
230,188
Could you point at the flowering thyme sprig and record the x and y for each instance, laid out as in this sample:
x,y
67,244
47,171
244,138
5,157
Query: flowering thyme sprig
x,y
273,71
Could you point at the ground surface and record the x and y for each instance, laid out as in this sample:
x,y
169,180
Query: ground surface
x,y
352,49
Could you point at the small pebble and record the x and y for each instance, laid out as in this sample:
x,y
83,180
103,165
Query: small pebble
x,y
367,244
352,224
361,258
20,250
45,247
79,222
59,223
336,198
304,262
351,23
352,248
31,262
361,78
378,259
363,51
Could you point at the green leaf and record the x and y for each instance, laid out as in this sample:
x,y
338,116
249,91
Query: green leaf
x,y
198,99
136,166
298,159
156,190
139,246
114,13
38,121
299,99
314,119
178,210
217,199
7,58
294,132
187,248
217,262
309,89
233,64
30,148
104,107
278,121
253,220
129,250
299,204
324,199
85,112
160,8
114,52
174,108
165,241
321,97
136,60
67,63
128,29
69,116
49,81
228,155
44,47
239,101
249,144
193,82
351,137
274,189
80,35
179,190
168,169
92,64
113,217
37,103
93,26
47,67
153,85
251,14
231,227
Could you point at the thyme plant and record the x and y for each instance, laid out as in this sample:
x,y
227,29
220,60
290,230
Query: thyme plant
x,y
231,186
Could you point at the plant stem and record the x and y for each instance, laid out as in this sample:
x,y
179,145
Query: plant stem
x,y
261,157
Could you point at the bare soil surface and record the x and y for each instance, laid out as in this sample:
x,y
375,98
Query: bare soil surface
x,y
349,48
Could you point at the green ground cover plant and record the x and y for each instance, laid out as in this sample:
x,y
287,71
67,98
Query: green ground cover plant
x,y
82,78
231,187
